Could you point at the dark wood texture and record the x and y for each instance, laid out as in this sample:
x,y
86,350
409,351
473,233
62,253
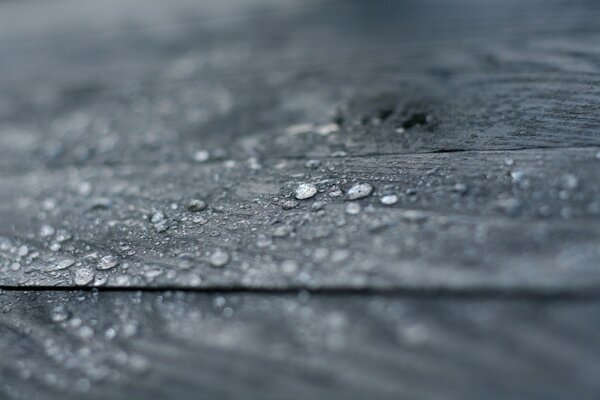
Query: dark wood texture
x,y
122,345
436,237
481,280
101,119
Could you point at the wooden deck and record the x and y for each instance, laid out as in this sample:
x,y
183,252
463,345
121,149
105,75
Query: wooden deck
x,y
152,245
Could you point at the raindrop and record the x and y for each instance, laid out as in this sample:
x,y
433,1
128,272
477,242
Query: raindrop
x,y
353,208
570,182
59,314
64,264
157,217
360,191
196,205
83,276
305,191
23,251
201,156
46,230
107,262
289,204
389,199
55,247
460,188
219,259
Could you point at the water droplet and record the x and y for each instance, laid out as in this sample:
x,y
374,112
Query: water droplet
x,y
460,188
55,247
317,206
107,262
201,156
289,204
85,332
63,236
519,177
312,164
219,259
23,251
299,129
46,230
389,199
570,182
328,129
59,314
196,205
282,231
335,192
159,222
289,267
305,191
353,208
64,264
157,217
360,191
83,276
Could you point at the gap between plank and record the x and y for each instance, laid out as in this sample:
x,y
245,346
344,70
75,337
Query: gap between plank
x,y
429,293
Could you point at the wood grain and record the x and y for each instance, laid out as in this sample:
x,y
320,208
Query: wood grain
x,y
191,345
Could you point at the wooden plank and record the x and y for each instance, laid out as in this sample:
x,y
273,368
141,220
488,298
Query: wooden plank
x,y
92,145
257,346
481,76
461,221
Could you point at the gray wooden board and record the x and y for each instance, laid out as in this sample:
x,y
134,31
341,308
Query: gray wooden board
x,y
532,224
158,345
482,118
157,85
481,281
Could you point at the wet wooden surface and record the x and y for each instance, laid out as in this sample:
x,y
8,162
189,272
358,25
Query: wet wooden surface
x,y
470,271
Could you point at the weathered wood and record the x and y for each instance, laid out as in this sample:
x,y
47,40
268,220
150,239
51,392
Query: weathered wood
x,y
256,346
500,75
95,158
464,223
479,281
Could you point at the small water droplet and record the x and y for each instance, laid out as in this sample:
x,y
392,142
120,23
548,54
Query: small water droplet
x,y
360,191
460,188
196,205
219,259
23,251
353,208
55,247
312,164
201,156
83,276
46,230
59,314
305,191
107,262
64,264
389,199
328,129
157,217
519,177
570,182
289,267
